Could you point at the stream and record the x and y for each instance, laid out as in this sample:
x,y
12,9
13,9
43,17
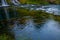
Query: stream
x,y
49,29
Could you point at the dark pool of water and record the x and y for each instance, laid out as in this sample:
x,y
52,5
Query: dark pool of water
x,y
49,30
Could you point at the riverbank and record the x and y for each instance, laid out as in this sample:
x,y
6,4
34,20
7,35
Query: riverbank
x,y
20,13
37,2
43,2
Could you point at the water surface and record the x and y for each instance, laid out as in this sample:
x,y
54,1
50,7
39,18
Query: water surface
x,y
31,30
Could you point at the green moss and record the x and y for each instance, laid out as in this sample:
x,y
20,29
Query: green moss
x,y
5,37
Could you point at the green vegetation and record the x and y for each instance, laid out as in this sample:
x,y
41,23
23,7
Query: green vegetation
x,y
5,37
42,2
34,2
38,2
57,2
22,12
36,14
4,31
57,18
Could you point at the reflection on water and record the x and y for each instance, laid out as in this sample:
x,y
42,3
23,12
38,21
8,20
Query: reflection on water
x,y
40,28
49,30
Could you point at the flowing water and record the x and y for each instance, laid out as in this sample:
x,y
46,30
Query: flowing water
x,y
48,29
4,3
15,2
4,6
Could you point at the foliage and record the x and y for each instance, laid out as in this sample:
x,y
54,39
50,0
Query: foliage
x,y
5,37
42,2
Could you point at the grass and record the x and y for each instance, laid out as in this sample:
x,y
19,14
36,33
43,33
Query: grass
x,y
5,37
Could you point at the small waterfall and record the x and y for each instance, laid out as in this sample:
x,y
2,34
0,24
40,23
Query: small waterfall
x,y
5,5
7,14
15,14
15,2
